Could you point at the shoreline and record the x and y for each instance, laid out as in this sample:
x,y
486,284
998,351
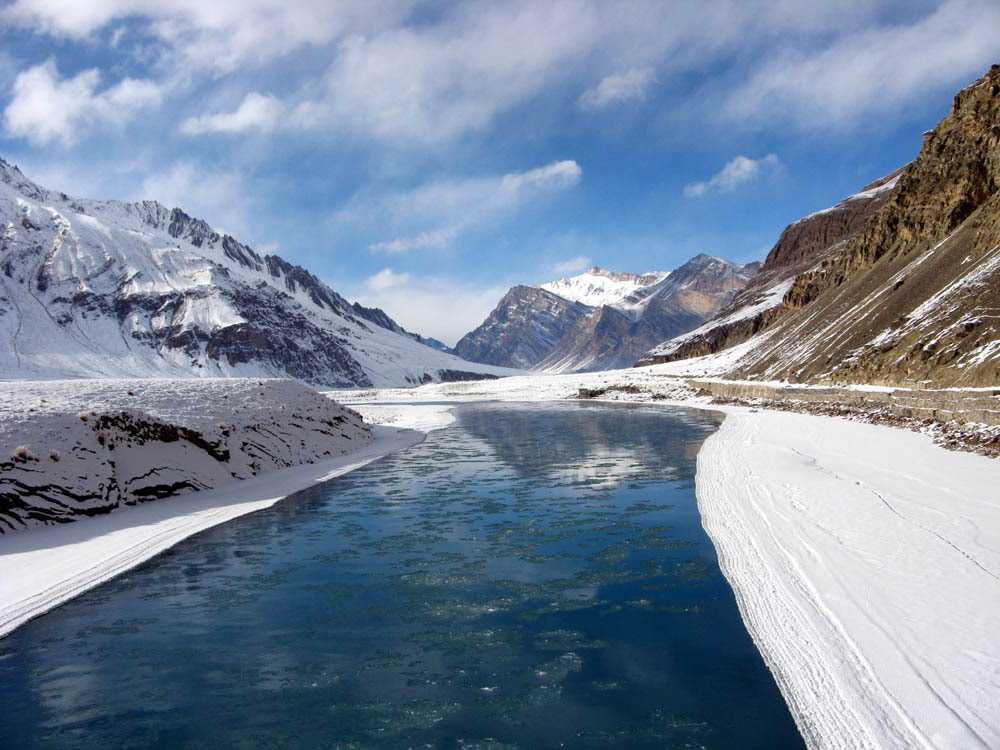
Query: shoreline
x,y
94,550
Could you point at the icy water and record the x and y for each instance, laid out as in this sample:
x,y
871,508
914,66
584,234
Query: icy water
x,y
531,577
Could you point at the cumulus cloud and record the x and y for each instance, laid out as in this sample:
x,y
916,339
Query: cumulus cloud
x,y
256,112
617,89
738,171
46,107
415,302
439,211
573,265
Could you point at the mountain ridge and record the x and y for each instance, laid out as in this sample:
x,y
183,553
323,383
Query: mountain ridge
x,y
541,329
112,288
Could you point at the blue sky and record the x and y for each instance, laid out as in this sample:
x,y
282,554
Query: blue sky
x,y
424,156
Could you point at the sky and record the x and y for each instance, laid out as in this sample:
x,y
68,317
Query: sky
x,y
423,155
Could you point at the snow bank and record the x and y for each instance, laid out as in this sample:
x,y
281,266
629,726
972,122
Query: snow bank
x,y
45,567
422,417
89,447
866,563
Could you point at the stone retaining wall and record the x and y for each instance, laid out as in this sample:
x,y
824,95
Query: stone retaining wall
x,y
942,406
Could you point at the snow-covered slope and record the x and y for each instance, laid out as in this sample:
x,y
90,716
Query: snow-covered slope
x,y
109,289
75,448
598,286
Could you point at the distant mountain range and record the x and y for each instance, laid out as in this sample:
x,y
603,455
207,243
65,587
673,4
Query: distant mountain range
x,y
896,285
601,319
105,289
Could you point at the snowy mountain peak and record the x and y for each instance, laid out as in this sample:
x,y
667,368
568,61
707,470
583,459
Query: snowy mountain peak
x,y
598,286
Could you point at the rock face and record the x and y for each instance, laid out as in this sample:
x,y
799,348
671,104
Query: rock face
x,y
110,289
523,328
601,319
912,295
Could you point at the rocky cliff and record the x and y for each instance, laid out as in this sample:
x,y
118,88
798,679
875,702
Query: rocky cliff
x,y
523,328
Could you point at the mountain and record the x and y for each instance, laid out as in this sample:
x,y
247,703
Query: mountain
x,y
601,319
105,288
523,329
800,246
899,285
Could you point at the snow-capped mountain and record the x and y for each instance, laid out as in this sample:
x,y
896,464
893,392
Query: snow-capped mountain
x,y
898,284
106,288
598,286
601,319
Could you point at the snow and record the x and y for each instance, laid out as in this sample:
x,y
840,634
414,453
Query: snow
x,y
862,195
770,297
866,563
422,417
867,194
598,287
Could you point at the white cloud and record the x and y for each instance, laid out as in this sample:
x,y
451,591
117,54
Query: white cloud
x,y
219,197
386,279
416,302
573,265
453,73
618,89
429,239
738,171
434,214
45,107
220,35
875,70
256,112
435,82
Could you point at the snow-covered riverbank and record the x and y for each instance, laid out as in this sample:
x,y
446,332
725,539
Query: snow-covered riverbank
x,y
250,443
71,449
865,559
866,562
44,567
